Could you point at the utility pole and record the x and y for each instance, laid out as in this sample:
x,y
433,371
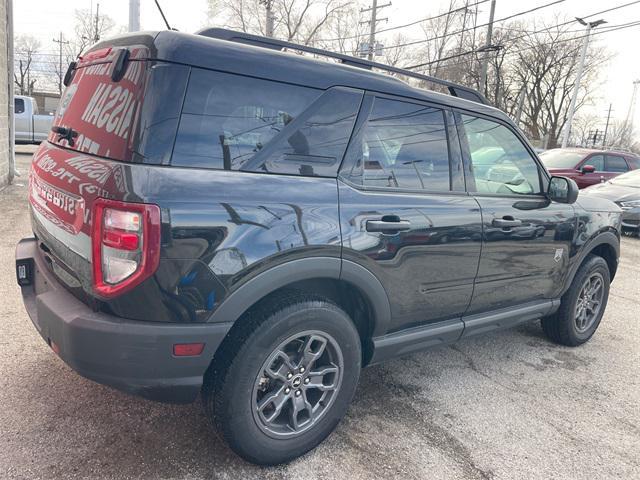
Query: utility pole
x,y
632,106
372,24
269,19
606,128
576,88
96,36
60,43
487,47
521,96
134,15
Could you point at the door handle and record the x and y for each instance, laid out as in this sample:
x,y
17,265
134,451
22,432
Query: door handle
x,y
506,222
388,227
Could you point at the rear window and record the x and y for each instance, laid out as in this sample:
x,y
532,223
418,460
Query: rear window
x,y
102,112
234,122
18,105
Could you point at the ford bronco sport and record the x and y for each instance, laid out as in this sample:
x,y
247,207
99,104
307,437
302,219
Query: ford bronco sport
x,y
212,215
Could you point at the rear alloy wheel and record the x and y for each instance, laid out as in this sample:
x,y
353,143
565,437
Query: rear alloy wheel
x,y
284,378
297,384
582,306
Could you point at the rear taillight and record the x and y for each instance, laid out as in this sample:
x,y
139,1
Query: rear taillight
x,y
125,245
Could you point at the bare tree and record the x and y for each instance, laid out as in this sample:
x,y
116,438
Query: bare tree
x,y
545,65
300,21
26,49
86,30
344,33
583,126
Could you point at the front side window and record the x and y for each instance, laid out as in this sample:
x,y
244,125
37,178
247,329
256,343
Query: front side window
x,y
226,119
596,161
500,162
403,145
18,105
615,164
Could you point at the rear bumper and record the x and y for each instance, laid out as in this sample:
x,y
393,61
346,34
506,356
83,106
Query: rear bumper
x,y
135,357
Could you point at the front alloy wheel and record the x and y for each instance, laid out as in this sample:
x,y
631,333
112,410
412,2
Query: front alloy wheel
x,y
589,302
297,384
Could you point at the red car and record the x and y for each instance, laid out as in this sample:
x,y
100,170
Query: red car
x,y
586,166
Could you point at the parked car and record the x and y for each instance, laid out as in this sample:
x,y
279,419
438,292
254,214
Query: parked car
x,y
30,126
587,166
213,216
624,191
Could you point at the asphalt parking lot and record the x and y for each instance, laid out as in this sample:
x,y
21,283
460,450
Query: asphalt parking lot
x,y
510,405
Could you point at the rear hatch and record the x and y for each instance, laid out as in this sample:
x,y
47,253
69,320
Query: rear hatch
x,y
99,141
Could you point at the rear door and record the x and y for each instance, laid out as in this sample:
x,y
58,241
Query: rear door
x,y
526,238
404,213
614,165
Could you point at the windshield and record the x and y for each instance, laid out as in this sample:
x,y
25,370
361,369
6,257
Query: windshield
x,y
559,158
630,179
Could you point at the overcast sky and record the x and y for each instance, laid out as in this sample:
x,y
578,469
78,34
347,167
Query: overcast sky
x,y
46,18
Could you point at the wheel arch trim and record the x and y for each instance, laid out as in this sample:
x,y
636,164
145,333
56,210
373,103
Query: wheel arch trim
x,y
312,268
603,238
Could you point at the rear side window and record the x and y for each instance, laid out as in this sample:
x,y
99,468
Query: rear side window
x,y
19,105
315,142
634,162
403,145
226,119
614,163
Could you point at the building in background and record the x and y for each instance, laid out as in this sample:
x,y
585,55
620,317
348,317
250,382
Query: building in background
x,y
6,93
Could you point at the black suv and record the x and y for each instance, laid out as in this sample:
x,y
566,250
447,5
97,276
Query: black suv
x,y
214,215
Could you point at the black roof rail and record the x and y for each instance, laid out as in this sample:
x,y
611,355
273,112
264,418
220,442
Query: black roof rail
x,y
455,89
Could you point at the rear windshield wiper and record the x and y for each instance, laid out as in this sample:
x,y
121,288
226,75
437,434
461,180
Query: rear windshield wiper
x,y
65,133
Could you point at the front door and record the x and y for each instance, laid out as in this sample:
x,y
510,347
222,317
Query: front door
x,y
599,175
526,238
404,213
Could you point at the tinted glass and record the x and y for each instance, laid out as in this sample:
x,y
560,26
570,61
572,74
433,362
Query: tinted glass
x,y
227,119
616,164
315,142
18,105
403,145
559,158
161,112
105,113
500,161
596,161
634,162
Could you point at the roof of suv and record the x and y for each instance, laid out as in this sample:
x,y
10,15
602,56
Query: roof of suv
x,y
238,58
588,151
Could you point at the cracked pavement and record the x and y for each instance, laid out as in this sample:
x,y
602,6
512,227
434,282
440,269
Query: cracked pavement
x,y
502,406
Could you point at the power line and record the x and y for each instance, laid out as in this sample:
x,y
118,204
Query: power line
x,y
605,30
611,28
416,22
417,42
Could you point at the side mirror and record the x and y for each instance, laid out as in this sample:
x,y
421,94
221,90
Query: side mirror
x,y
588,169
562,190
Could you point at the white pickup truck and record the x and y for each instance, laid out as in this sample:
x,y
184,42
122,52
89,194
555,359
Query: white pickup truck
x,y
30,127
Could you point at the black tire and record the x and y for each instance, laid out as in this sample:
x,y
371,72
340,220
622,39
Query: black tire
x,y
562,327
232,385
